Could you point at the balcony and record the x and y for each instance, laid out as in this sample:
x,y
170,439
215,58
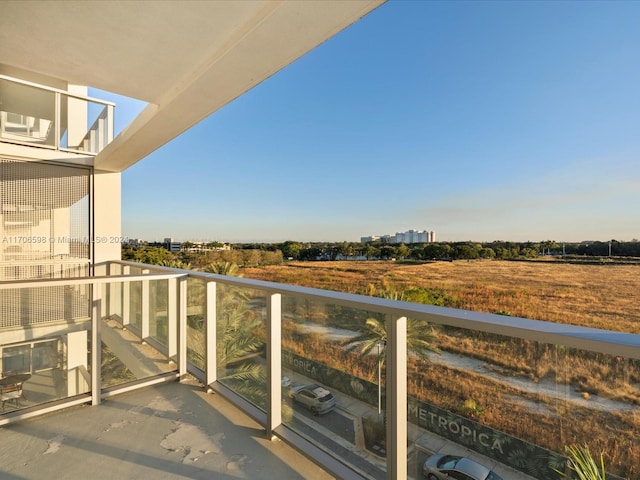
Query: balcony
x,y
40,116
85,340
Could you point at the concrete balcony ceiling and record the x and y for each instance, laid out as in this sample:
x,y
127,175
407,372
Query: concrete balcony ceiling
x,y
186,59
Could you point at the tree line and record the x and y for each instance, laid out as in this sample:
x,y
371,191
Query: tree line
x,y
251,254
451,250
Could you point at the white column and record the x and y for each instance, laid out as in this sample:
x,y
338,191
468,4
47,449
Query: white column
x,y
77,363
106,216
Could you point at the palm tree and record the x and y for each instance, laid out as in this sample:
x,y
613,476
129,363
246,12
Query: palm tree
x,y
173,263
237,338
223,268
420,335
373,339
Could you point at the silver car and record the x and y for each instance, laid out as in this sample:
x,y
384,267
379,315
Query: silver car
x,y
446,467
316,398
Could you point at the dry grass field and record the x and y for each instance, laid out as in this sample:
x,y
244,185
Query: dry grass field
x,y
599,296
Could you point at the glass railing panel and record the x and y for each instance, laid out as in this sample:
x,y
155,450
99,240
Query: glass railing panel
x,y
196,321
241,342
481,392
336,349
27,114
84,124
125,355
34,115
44,345
134,305
594,401
113,295
159,311
114,368
519,403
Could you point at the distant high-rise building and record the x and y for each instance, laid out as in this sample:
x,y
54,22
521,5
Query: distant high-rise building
x,y
172,246
410,236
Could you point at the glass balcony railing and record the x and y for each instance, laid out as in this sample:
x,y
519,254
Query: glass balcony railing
x,y
37,115
367,386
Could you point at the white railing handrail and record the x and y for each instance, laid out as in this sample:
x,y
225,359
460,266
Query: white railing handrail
x,y
98,280
45,262
56,90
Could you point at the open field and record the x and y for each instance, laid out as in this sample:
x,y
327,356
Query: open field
x,y
599,296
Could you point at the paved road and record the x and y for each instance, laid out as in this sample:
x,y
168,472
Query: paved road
x,y
333,421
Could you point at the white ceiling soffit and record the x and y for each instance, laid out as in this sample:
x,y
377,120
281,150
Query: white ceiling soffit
x,y
187,59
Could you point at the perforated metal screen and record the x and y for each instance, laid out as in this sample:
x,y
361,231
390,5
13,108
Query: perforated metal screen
x,y
44,224
44,233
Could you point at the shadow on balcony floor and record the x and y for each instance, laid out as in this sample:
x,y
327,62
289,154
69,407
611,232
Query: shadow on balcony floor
x,y
140,359
169,431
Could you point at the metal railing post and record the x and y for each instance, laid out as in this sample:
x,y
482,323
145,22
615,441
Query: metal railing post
x,y
172,320
101,133
396,398
96,344
182,327
274,363
115,291
126,298
210,332
110,123
56,120
144,321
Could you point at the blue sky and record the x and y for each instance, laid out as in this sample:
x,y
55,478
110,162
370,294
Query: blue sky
x,y
477,120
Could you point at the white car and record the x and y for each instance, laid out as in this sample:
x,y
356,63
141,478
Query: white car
x,y
316,398
445,467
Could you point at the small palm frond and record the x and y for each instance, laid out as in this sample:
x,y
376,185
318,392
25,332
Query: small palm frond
x,y
246,372
583,464
421,337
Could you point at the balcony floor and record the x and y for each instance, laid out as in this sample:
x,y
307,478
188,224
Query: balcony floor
x,y
168,431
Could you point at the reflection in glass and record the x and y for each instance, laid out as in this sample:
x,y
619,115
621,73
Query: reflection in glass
x,y
125,356
16,359
27,114
521,402
135,304
196,318
323,345
158,310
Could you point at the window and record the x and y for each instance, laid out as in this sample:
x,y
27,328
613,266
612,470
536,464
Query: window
x,y
16,360
30,357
